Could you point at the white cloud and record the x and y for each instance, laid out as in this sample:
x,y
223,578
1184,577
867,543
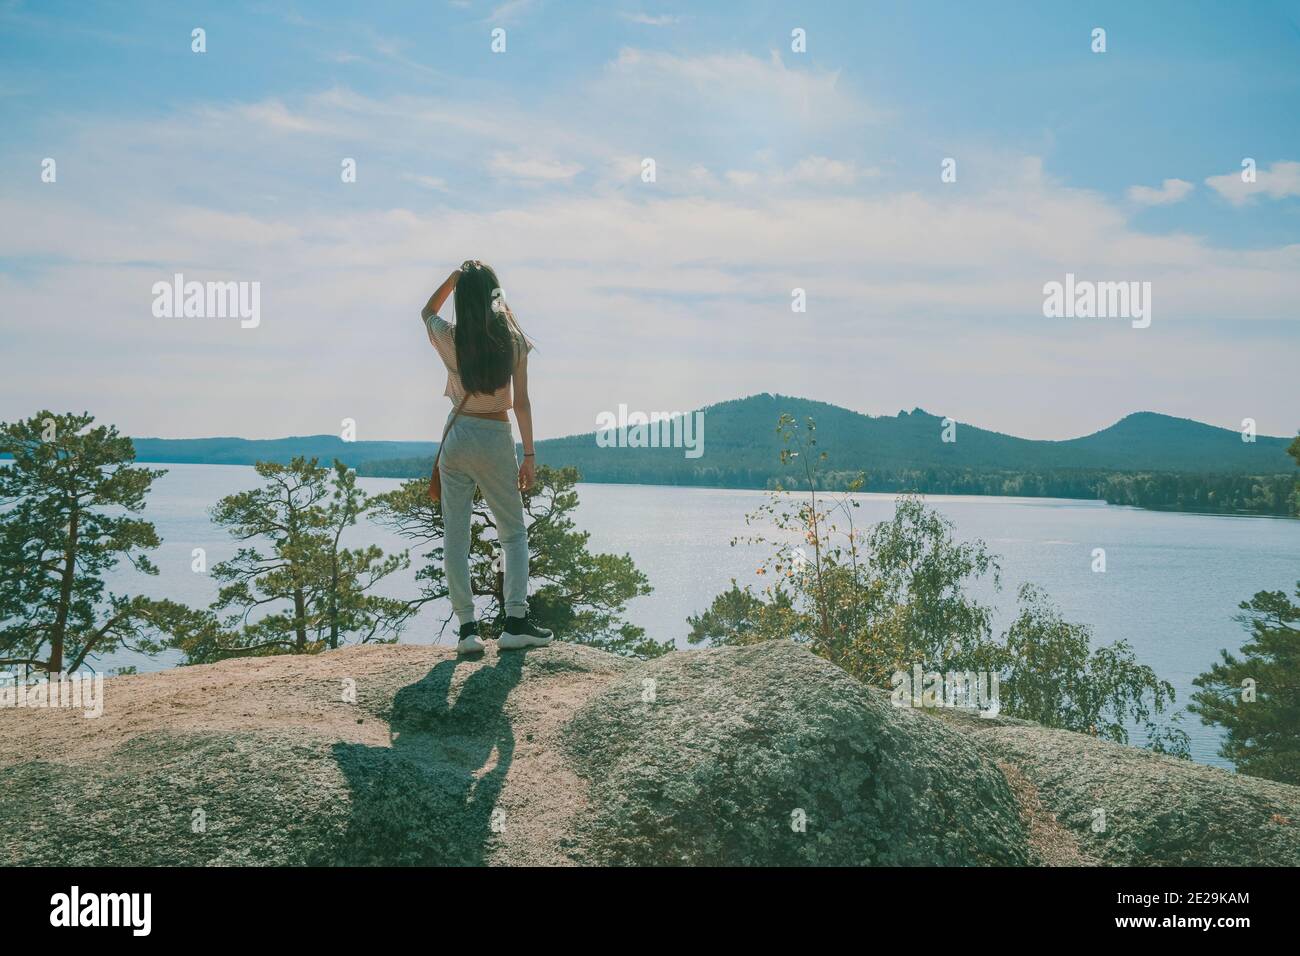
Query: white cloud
x,y
428,182
628,287
528,167
701,175
510,10
819,169
722,87
1280,180
390,51
623,295
275,115
811,170
645,19
1170,191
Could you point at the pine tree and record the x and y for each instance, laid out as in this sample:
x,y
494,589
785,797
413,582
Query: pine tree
x,y
1256,696
69,507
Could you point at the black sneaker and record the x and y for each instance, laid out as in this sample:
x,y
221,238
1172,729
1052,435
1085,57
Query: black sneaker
x,y
469,642
520,632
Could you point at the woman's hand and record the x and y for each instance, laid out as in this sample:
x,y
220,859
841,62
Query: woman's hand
x,y
527,473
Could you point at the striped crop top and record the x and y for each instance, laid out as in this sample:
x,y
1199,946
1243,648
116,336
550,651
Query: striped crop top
x,y
442,337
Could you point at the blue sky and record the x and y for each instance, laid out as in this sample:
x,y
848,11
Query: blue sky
x,y
775,170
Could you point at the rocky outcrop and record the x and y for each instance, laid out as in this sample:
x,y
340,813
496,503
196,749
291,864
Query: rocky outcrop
x,y
762,755
769,755
1130,807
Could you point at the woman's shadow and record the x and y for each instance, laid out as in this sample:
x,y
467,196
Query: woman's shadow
x,y
431,797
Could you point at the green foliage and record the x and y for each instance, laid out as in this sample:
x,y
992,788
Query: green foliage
x,y
1051,676
69,507
872,600
1263,734
302,591
880,600
1294,451
1218,494
580,595
739,617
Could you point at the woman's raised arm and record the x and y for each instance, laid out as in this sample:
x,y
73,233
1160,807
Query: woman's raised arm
x,y
439,296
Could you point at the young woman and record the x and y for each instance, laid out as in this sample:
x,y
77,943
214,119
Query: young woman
x,y
485,352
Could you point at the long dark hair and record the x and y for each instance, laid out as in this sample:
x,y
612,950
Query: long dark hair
x,y
488,339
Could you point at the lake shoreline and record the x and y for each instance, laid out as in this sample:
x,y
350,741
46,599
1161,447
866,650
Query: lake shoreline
x,y
1172,586
364,473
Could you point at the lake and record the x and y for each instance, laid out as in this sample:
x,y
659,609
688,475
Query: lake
x,y
1171,587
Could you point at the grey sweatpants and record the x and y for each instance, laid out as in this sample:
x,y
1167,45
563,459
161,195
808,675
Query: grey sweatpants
x,y
480,451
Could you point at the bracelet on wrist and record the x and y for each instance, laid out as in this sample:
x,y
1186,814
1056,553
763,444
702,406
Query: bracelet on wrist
x,y
529,454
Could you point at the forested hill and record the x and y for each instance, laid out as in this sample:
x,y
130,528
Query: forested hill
x,y
1144,459
740,436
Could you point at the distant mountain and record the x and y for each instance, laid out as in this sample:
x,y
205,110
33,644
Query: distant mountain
x,y
1151,440
246,451
1144,459
741,435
